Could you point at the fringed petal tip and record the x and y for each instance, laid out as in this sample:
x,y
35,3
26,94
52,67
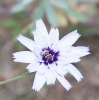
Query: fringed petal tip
x,y
15,60
69,88
19,36
80,79
39,20
50,83
29,70
76,33
35,89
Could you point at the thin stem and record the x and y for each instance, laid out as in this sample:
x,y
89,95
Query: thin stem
x,y
13,79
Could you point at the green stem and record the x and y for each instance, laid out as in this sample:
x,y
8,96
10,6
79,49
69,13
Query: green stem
x,y
13,79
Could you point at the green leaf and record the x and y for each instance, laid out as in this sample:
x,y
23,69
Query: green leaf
x,y
60,3
20,15
15,78
77,1
79,16
16,30
91,9
21,5
50,13
62,20
73,1
40,11
9,23
18,46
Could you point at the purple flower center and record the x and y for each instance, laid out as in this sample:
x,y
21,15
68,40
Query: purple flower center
x,y
49,56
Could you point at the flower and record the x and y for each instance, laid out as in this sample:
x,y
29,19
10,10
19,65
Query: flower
x,y
50,57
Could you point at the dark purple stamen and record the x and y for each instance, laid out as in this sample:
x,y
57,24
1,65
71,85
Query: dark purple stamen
x,y
49,56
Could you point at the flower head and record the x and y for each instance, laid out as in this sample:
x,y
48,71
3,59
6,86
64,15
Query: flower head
x,y
50,57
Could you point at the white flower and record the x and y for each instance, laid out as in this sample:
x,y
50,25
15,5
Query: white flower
x,y
50,57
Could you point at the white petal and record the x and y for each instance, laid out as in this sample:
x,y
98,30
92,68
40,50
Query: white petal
x,y
52,66
64,82
39,39
62,60
81,50
41,30
53,35
68,53
64,49
41,27
39,59
66,60
54,47
71,55
72,60
42,68
50,77
37,51
26,42
33,67
70,38
24,57
39,81
75,72
61,70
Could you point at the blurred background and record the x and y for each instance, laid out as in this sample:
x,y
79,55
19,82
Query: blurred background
x,y
18,16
